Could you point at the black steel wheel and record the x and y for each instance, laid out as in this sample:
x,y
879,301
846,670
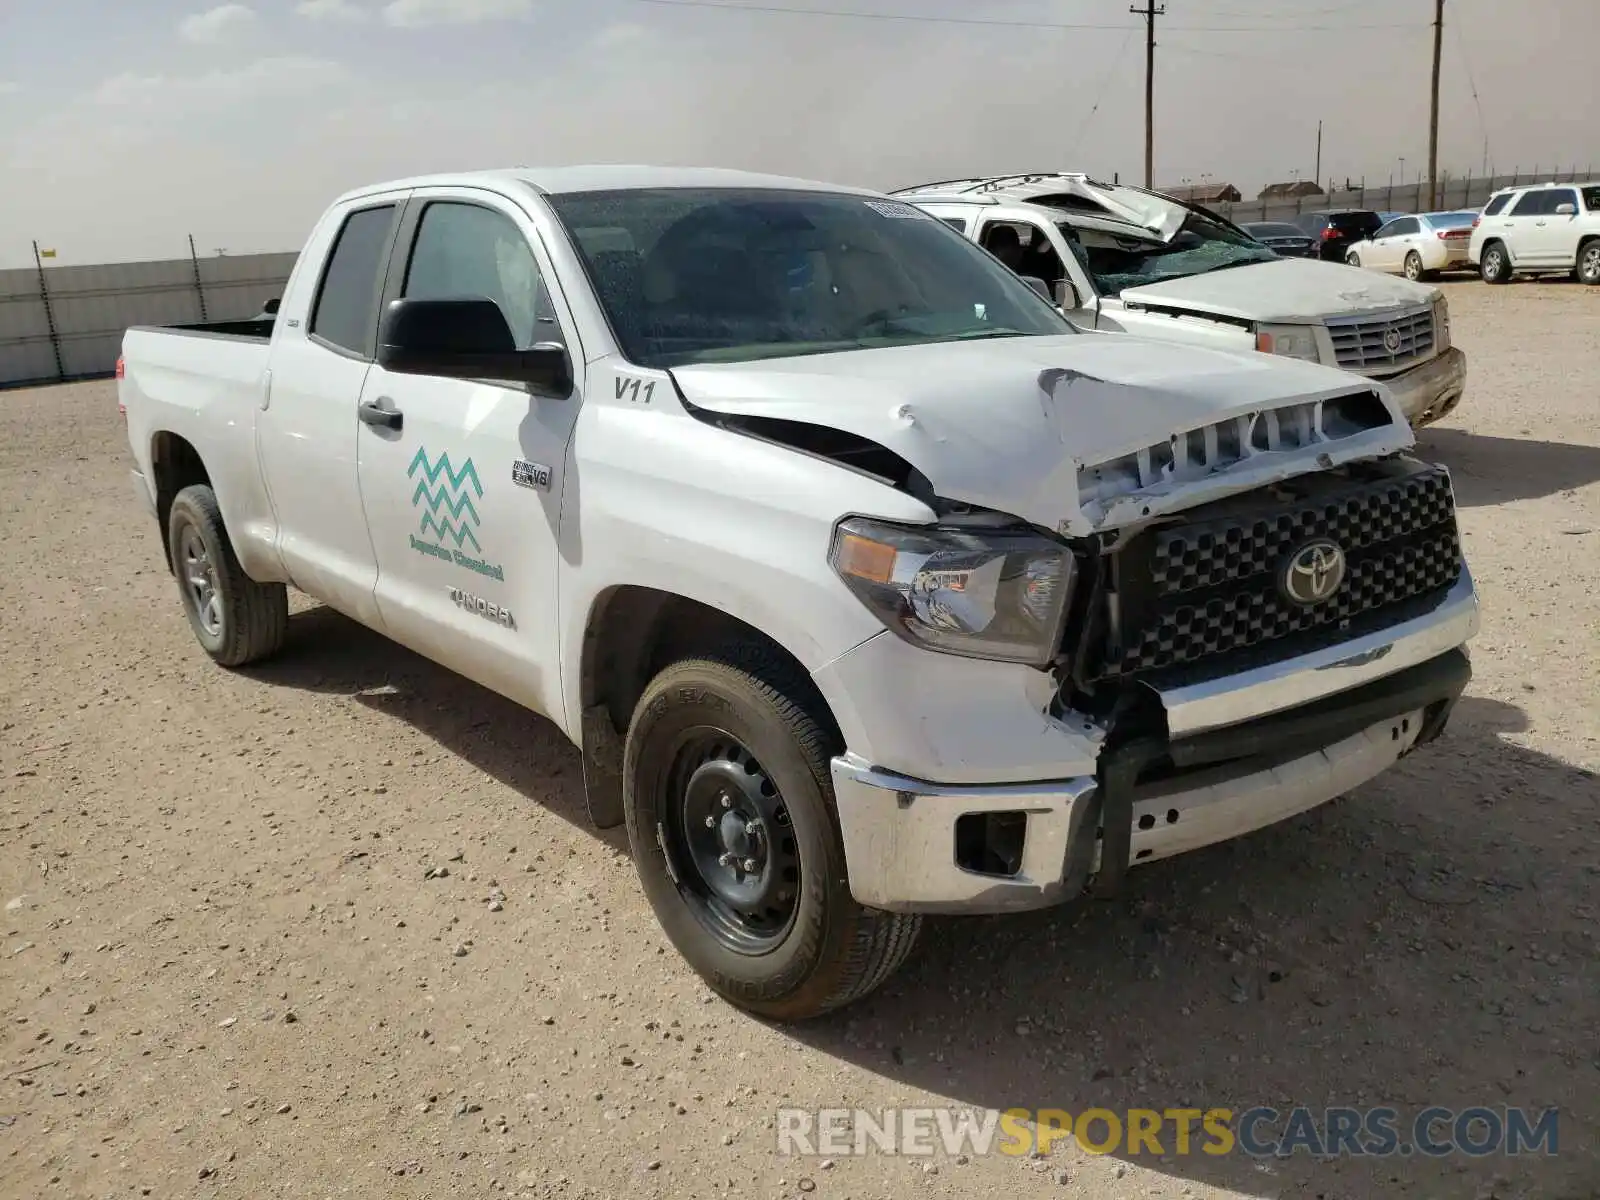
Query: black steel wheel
x,y
728,795
733,849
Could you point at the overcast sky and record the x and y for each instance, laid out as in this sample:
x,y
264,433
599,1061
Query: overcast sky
x,y
126,125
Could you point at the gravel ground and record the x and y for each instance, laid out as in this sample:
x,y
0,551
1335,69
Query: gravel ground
x,y
336,926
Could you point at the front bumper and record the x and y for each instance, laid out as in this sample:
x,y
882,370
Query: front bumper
x,y
1238,754
1430,391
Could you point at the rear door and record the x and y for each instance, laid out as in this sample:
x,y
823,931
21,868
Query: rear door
x,y
463,498
1519,228
1395,240
322,350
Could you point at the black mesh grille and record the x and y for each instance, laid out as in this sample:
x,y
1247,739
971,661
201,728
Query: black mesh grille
x,y
1213,584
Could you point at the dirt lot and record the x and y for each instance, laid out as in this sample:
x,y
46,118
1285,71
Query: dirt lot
x,y
225,972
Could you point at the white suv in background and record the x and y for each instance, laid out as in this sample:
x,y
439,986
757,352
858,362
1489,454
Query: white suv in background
x,y
1543,228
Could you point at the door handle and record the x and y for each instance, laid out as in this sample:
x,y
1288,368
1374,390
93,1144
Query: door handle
x,y
385,418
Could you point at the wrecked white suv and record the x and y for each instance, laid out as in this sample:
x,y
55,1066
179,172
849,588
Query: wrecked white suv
x,y
1122,259
865,585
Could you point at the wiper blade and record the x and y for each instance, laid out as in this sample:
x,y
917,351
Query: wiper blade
x,y
974,335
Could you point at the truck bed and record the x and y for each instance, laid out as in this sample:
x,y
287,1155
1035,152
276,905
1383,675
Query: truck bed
x,y
249,330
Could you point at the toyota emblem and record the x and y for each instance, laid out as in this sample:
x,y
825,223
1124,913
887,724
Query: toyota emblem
x,y
1391,340
1313,573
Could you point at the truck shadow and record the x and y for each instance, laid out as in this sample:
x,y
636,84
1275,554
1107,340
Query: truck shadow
x,y
329,653
1493,470
1424,940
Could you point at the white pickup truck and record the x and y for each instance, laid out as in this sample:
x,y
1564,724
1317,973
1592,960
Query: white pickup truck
x,y
1122,259
866,585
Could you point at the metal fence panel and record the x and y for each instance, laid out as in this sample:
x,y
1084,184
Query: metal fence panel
x,y
91,306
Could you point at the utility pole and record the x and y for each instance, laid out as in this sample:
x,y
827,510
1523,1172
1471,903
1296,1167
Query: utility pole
x,y
1433,119
1149,12
1317,174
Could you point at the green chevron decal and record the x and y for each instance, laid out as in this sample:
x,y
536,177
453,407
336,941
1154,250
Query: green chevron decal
x,y
448,520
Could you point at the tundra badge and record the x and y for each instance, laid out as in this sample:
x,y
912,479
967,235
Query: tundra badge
x,y
484,608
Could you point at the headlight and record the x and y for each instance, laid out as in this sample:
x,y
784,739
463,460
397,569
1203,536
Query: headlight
x,y
992,594
1441,323
1291,341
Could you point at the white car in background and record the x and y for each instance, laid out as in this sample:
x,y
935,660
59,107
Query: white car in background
x,y
1122,259
1417,245
1539,229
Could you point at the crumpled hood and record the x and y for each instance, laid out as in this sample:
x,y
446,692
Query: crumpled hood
x,y
1290,289
1006,424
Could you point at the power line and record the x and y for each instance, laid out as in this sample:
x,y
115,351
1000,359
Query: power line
x,y
1483,125
993,22
1105,87
918,18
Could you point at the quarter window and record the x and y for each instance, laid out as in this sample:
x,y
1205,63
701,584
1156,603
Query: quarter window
x,y
346,312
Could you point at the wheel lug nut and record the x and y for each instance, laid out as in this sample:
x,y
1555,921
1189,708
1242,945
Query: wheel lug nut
x,y
711,822
749,864
726,860
727,800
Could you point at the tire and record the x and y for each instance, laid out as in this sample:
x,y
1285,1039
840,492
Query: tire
x,y
1589,263
1495,264
1413,267
235,619
1352,259
747,723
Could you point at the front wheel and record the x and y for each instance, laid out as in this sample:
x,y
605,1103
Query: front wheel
x,y
731,819
1589,264
235,619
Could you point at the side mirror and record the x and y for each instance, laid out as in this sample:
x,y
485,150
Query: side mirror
x,y
1567,209
467,338
1037,285
271,306
1066,296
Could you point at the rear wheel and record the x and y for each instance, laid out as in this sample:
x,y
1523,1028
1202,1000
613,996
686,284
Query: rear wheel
x,y
1353,259
1413,266
734,832
1495,266
1589,263
235,619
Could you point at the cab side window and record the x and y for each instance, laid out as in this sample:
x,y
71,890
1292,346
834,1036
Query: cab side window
x,y
465,250
345,315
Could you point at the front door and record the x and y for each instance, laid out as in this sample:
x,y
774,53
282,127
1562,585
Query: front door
x,y
463,497
1554,236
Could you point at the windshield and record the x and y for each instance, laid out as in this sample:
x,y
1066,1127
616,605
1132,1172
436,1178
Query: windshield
x,y
689,275
1274,230
1452,220
1117,261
